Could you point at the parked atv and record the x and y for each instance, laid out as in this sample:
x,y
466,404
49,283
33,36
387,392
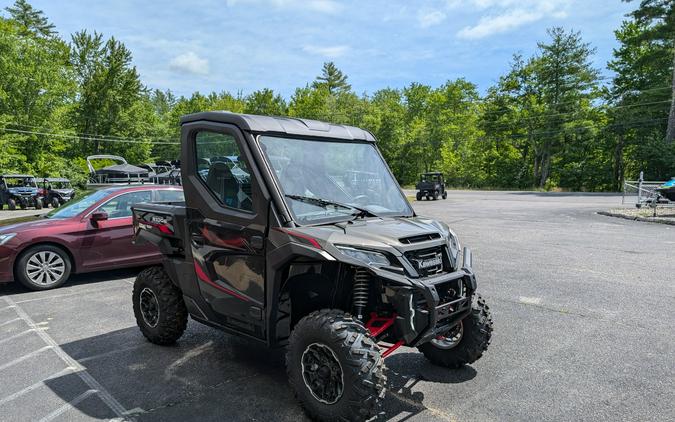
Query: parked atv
x,y
291,250
56,191
19,190
431,185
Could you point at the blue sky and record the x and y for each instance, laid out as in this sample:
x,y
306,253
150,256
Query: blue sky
x,y
244,45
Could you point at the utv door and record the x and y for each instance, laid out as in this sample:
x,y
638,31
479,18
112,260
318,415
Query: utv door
x,y
227,219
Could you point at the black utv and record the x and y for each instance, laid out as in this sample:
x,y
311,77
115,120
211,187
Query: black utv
x,y
290,249
431,185
19,190
56,191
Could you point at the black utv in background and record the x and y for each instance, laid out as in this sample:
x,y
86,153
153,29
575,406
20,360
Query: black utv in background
x,y
19,190
304,240
431,185
56,191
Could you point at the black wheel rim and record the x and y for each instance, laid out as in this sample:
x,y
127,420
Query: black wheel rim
x,y
322,373
149,307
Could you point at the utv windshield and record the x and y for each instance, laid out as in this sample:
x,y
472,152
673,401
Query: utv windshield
x,y
20,182
331,180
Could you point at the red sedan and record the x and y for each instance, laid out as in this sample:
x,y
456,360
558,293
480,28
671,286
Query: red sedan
x,y
91,234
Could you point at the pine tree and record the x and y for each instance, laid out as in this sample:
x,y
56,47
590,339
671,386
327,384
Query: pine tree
x,y
32,20
332,79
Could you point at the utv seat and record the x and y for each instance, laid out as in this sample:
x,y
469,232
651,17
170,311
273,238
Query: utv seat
x,y
223,184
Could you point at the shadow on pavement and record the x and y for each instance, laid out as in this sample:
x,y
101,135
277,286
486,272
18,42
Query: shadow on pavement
x,y
209,375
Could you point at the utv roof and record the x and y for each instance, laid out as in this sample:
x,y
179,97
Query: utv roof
x,y
19,176
56,179
282,125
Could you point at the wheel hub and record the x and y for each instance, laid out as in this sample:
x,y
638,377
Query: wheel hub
x,y
451,339
45,268
322,373
149,307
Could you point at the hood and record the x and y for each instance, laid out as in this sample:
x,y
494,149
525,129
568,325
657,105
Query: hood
x,y
39,224
66,192
399,233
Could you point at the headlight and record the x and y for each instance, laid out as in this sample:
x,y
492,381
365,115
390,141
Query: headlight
x,y
372,258
453,241
4,238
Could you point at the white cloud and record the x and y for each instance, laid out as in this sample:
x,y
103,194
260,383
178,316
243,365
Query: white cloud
x,y
191,63
430,18
328,51
510,14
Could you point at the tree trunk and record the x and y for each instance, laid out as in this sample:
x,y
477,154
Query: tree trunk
x,y
545,169
670,132
618,163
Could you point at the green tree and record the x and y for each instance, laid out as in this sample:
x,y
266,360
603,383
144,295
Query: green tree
x,y
31,20
332,79
266,103
109,87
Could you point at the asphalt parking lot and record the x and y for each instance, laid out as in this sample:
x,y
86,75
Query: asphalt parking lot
x,y
582,307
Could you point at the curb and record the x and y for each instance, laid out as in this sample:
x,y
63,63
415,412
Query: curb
x,y
643,219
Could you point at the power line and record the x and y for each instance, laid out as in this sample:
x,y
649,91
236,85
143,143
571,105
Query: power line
x,y
88,138
96,135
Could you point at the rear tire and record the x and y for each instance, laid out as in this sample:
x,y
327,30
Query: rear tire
x,y
445,195
159,307
477,332
38,204
419,196
55,203
335,367
43,267
11,204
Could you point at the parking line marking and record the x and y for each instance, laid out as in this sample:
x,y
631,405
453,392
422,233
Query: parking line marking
x,y
10,338
68,406
33,387
81,371
10,321
24,357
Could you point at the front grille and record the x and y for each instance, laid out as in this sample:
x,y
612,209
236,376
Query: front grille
x,y
427,262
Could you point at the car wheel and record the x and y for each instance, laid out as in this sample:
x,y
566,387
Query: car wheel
x,y
335,367
159,308
11,204
43,267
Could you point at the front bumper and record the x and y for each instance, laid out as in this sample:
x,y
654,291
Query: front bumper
x,y
424,313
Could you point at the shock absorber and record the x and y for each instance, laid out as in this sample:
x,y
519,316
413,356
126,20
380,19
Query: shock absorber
x,y
360,291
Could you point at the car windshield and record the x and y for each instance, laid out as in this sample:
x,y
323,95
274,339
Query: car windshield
x,y
75,208
20,182
344,173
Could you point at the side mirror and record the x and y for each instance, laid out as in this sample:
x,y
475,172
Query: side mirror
x,y
98,216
